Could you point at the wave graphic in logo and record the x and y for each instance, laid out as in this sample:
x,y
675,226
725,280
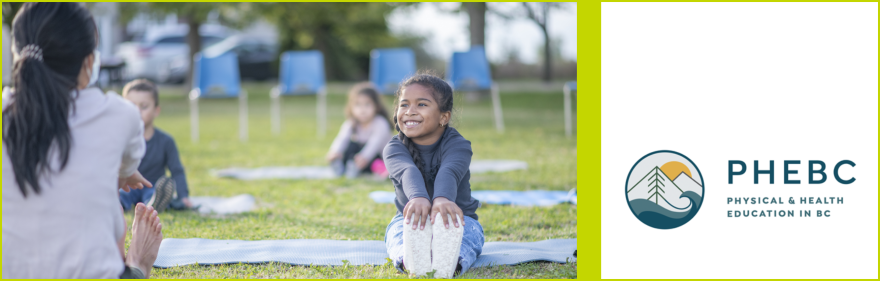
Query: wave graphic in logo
x,y
664,189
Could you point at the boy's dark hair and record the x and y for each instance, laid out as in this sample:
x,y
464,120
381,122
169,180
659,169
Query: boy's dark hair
x,y
442,93
365,88
142,85
53,41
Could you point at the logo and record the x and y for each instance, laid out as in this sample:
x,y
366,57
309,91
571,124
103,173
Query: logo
x,y
664,189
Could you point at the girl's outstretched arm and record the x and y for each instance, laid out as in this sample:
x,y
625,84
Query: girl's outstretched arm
x,y
379,136
401,168
340,143
455,163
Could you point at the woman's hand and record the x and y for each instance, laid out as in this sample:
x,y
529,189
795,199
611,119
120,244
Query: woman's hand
x,y
446,207
417,210
135,181
333,156
361,162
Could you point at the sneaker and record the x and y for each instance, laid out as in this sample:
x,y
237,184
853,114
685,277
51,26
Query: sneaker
x,y
417,248
162,195
351,170
445,247
338,167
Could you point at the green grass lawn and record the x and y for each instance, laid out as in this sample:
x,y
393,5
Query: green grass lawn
x,y
341,209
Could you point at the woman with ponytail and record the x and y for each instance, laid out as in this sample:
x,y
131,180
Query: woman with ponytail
x,y
428,162
67,149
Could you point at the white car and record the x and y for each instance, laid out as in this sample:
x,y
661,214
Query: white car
x,y
162,50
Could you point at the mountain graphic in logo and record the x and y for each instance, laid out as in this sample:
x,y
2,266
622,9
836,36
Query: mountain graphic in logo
x,y
664,189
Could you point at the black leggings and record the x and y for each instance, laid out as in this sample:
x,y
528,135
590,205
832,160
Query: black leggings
x,y
354,148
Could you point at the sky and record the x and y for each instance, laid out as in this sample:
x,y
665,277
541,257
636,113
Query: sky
x,y
448,32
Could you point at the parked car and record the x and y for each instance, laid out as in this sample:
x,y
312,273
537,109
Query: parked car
x,y
160,48
256,55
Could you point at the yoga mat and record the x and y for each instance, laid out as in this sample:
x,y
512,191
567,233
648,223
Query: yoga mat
x,y
316,172
178,252
265,173
502,197
224,206
496,166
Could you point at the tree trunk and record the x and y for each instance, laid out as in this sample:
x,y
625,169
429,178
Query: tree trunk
x,y
195,45
548,59
321,43
477,14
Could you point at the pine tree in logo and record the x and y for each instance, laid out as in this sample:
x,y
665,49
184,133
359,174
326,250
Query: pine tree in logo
x,y
655,181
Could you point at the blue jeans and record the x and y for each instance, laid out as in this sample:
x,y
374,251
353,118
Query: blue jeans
x,y
135,196
471,242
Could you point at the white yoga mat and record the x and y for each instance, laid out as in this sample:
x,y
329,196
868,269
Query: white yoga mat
x,y
265,173
497,166
321,172
224,206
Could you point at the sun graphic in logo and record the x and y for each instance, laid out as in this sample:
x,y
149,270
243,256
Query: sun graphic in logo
x,y
674,168
662,190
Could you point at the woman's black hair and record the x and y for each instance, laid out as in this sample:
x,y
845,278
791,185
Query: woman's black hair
x,y
36,119
442,93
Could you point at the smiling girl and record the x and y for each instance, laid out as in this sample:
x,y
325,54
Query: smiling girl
x,y
428,162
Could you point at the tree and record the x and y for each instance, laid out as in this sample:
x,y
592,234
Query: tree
x,y
477,26
344,32
539,13
194,14
654,181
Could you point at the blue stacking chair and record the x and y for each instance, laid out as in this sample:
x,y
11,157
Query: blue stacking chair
x,y
469,71
569,87
302,73
389,67
217,77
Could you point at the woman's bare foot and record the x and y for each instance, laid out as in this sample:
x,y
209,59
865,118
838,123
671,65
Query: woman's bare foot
x,y
146,236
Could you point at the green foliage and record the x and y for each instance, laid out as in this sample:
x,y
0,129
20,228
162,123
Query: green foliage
x,y
341,209
9,11
344,32
188,11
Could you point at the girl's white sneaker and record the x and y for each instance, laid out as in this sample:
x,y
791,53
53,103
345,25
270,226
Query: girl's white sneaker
x,y
417,248
446,246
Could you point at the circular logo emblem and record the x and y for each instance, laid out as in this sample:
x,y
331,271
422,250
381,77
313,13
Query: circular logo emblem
x,y
664,189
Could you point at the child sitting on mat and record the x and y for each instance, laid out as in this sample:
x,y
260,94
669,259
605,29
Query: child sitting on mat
x,y
436,224
365,131
161,154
